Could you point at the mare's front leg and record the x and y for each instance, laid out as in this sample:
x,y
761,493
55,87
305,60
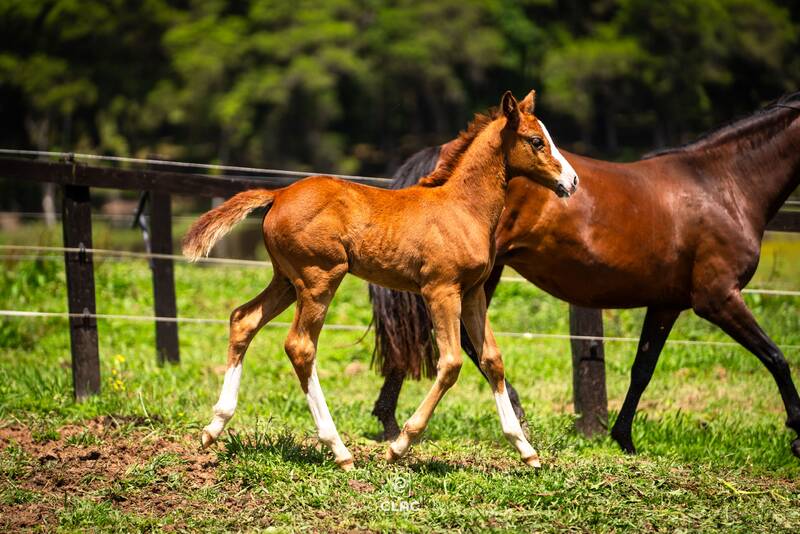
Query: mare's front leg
x,y
491,364
657,326
313,298
444,303
730,313
246,321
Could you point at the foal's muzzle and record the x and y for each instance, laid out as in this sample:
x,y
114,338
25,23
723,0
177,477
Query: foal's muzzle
x,y
564,191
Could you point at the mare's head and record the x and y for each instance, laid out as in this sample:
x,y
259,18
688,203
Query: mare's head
x,y
530,151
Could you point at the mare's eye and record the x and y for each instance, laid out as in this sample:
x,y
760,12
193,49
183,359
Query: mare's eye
x,y
537,143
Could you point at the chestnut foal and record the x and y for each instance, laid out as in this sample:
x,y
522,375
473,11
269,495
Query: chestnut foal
x,y
435,239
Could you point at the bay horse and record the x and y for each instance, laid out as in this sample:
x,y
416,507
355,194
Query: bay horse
x,y
435,239
678,229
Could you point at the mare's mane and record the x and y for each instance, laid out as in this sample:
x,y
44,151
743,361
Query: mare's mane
x,y
459,147
730,128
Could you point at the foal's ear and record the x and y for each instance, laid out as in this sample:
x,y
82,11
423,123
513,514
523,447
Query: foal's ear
x,y
528,103
510,109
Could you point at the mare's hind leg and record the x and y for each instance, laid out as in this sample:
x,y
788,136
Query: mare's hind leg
x,y
734,317
444,304
301,347
386,404
657,326
480,333
246,321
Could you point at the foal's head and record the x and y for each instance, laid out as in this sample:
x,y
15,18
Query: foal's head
x,y
530,150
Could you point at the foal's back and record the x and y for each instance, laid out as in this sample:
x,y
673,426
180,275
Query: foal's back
x,y
396,238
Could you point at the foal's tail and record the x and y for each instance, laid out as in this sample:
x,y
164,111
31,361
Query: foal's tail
x,y
214,224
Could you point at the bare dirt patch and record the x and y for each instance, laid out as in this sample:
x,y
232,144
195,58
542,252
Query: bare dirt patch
x,y
101,462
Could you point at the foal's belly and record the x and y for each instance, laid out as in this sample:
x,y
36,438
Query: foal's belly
x,y
375,271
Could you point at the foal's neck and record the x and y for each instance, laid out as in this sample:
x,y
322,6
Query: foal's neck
x,y
763,162
479,180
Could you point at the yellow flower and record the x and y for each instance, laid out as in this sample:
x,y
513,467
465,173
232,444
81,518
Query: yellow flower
x,y
119,358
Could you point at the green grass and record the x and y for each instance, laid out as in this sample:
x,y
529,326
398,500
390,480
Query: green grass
x,y
714,454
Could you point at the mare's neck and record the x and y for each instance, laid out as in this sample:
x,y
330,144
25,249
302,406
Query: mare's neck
x,y
479,180
763,161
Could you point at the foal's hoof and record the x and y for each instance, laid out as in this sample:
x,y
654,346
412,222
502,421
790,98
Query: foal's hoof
x,y
346,465
391,456
207,439
796,447
533,461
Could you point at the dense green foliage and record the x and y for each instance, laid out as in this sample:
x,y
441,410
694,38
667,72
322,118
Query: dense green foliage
x,y
714,454
356,85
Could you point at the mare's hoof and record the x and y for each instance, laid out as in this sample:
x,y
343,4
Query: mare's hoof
x,y
796,447
533,461
206,439
346,465
390,434
624,441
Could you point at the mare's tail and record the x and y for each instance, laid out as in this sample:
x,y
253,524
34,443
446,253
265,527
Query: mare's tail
x,y
402,324
214,224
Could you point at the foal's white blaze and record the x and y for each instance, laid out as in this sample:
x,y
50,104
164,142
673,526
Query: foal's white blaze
x,y
226,405
568,177
513,430
326,429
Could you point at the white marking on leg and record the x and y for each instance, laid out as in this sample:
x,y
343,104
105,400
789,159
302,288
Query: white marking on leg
x,y
568,176
326,429
226,405
512,428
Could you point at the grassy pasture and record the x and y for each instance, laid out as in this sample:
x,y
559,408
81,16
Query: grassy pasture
x,y
714,454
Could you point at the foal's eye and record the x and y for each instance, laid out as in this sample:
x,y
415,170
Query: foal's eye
x,y
536,142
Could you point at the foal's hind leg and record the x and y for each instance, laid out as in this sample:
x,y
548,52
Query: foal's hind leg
x,y
301,347
657,326
445,306
732,315
246,321
491,364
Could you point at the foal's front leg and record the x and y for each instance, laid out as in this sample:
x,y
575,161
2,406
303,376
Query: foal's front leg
x,y
445,306
491,363
301,347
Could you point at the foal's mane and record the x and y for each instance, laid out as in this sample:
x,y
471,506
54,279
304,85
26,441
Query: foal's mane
x,y
791,100
459,147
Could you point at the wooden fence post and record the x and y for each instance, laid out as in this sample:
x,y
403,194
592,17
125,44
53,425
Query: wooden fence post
x,y
163,277
77,227
588,370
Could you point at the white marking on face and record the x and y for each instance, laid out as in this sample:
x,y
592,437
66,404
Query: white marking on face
x,y
326,429
568,176
511,426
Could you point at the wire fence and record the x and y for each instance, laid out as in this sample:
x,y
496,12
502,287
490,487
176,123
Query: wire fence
x,y
179,164
48,253
357,328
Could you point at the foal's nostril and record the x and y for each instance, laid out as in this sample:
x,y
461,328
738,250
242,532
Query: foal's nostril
x,y
574,180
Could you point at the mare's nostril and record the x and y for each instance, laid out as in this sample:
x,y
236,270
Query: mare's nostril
x,y
575,180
